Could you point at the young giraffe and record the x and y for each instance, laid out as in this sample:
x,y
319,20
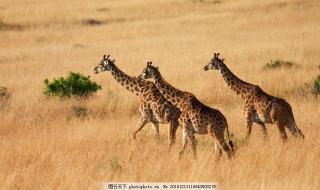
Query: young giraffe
x,y
195,116
259,107
153,107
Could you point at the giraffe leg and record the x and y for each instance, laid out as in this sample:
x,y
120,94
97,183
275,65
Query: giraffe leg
x,y
184,143
155,126
186,138
249,120
226,148
282,131
218,136
173,125
192,139
263,129
217,152
187,135
217,147
174,129
170,130
142,122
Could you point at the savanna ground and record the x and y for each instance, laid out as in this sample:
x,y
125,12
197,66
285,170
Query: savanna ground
x,y
43,145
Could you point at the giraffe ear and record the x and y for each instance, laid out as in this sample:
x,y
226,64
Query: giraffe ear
x,y
113,61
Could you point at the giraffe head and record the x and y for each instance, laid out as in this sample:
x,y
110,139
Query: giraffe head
x,y
215,63
149,71
106,64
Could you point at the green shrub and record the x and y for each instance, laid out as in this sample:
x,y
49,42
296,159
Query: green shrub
x,y
74,85
316,86
273,64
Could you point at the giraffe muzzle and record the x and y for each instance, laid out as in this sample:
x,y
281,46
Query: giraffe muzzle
x,y
96,70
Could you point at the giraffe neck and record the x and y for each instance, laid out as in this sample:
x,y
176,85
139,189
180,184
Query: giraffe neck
x,y
130,83
236,84
173,95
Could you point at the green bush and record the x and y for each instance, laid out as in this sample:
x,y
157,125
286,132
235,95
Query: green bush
x,y
74,85
316,86
273,64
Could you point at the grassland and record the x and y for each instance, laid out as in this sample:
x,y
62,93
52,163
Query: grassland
x,y
44,146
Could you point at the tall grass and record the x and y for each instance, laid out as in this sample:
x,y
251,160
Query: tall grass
x,y
43,145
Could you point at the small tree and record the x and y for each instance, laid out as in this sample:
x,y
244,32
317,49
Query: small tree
x,y
74,85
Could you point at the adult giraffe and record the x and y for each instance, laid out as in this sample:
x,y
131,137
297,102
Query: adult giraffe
x,y
195,116
259,106
153,107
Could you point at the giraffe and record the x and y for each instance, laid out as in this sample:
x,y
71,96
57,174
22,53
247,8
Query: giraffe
x,y
259,106
196,118
153,107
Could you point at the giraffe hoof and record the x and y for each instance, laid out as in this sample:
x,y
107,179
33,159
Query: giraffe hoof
x,y
134,136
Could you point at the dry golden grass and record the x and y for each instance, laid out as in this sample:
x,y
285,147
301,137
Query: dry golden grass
x,y
43,146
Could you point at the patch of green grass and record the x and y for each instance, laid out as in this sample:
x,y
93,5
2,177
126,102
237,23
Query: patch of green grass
x,y
74,85
316,86
274,64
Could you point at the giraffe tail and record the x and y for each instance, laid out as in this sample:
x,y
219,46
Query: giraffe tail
x,y
291,123
294,128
